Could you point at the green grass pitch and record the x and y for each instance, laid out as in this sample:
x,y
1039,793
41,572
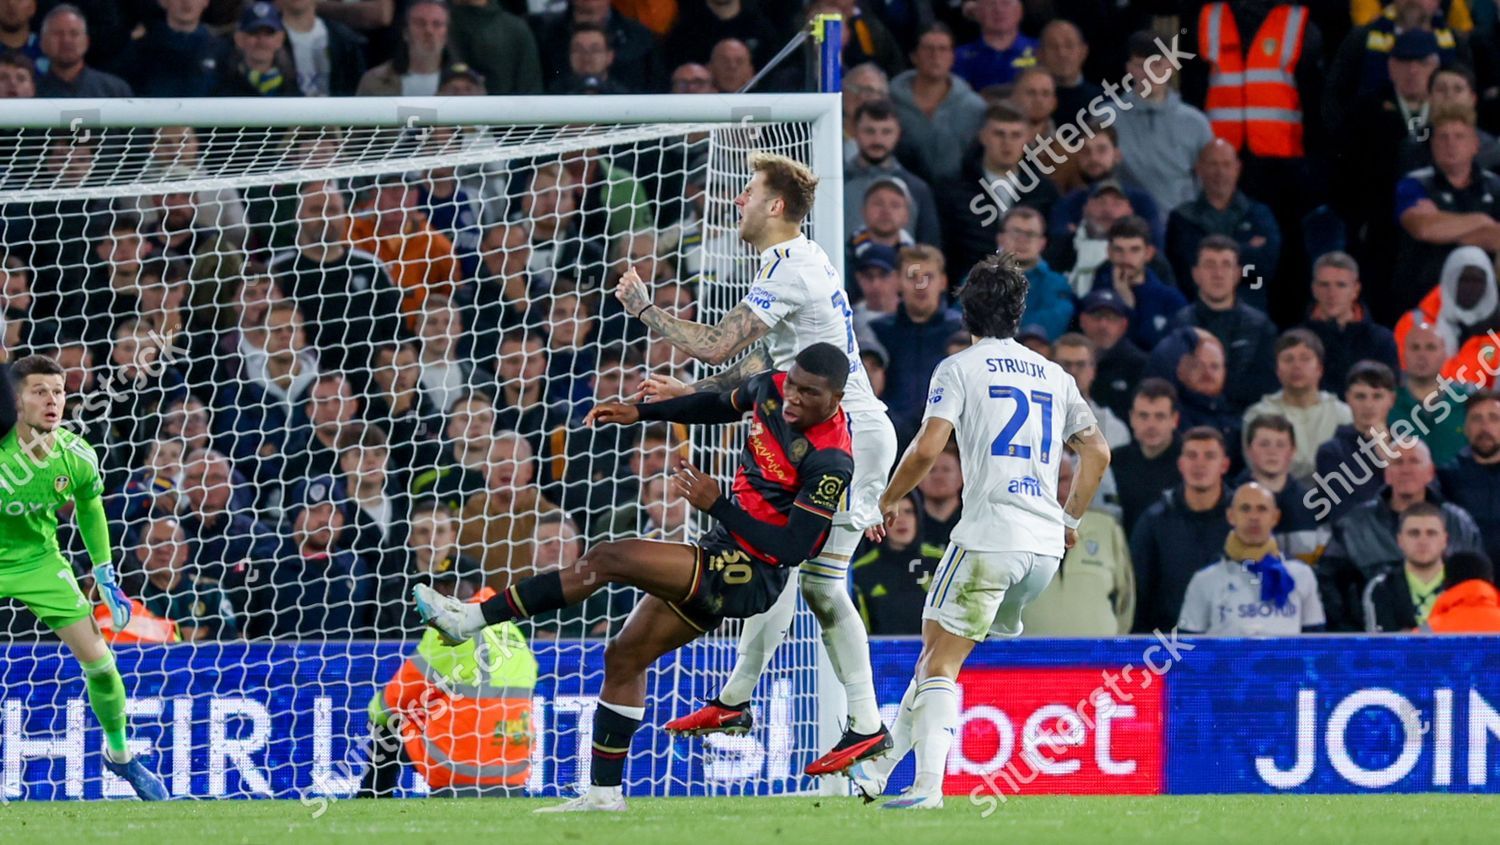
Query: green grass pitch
x,y
1202,820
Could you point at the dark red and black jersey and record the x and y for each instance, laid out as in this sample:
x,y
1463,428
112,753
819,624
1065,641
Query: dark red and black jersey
x,y
782,468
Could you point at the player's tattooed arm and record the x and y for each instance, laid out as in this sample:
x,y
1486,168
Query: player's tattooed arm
x,y
755,363
710,344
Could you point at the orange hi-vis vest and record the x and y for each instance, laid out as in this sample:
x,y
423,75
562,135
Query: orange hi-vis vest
x,y
1252,95
143,627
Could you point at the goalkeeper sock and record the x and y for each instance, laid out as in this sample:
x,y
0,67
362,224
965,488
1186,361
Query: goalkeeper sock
x,y
935,719
614,725
107,700
846,641
537,594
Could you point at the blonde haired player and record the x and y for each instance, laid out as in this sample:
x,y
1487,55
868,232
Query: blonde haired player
x,y
796,299
1012,411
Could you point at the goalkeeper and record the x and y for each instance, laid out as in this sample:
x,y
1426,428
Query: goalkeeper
x,y
42,468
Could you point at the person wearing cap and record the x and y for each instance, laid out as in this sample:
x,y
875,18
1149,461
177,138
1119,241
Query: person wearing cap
x,y
176,56
1160,135
65,42
940,114
590,62
460,80
878,133
1086,249
317,588
328,55
498,44
1221,208
421,55
1247,334
1152,302
1104,318
258,66
1034,337
1469,604
888,209
1049,299
875,269
1361,68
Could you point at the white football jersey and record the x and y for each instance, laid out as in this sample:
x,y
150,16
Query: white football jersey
x,y
799,294
1012,410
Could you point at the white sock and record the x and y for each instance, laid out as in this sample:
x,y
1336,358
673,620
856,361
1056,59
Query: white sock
x,y
901,734
606,794
474,616
759,639
848,646
636,713
935,717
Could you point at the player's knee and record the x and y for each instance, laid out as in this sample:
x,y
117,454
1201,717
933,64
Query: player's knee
x,y
623,661
827,598
604,562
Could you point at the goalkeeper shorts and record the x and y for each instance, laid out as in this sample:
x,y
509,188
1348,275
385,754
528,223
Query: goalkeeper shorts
x,y
47,587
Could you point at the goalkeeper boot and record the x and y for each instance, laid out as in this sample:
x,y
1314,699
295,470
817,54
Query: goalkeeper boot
x,y
869,780
456,621
144,781
914,800
598,799
852,748
713,718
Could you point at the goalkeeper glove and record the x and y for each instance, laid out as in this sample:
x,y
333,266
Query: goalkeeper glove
x,y
113,595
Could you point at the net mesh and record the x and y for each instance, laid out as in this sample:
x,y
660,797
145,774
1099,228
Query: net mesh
x,y
320,365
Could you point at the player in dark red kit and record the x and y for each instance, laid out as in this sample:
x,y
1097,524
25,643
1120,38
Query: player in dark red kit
x,y
792,475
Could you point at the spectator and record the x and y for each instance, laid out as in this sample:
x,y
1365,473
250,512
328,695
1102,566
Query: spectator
x,y
1062,51
453,468
1472,480
1349,458
328,55
1078,356
1396,603
1270,444
497,523
418,258
1002,50
17,76
611,200
1315,414
892,578
1453,202
1342,323
1182,532
177,56
258,398
344,292
1035,97
316,588
939,113
1160,135
1438,419
1244,331
1221,208
1153,302
378,518
559,545
329,409
1105,320
637,57
1363,64
867,39
1449,87
1364,540
1049,299
1468,298
1087,250
572,353
1146,466
231,541
175,590
942,497
1287,591
1098,160
501,293
396,402
920,328
16,35
731,66
65,40
371,18
878,132
1032,337
1194,360
698,28
416,69
430,556
258,66
995,167
602,467
590,60
875,360
879,286
447,371
863,83
1470,604
694,78
112,287
887,212
498,44
660,514
1093,593
524,406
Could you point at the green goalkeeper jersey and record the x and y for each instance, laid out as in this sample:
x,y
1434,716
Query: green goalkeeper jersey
x,y
32,491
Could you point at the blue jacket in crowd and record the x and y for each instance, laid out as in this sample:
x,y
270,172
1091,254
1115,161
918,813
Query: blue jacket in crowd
x,y
917,349
1156,302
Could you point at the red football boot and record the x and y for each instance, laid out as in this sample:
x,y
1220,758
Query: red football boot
x,y
713,718
851,749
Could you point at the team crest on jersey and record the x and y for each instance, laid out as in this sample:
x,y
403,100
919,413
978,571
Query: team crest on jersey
x,y
799,449
935,396
60,483
761,297
770,406
1091,546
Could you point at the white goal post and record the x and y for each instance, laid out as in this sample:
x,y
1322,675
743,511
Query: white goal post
x,y
174,255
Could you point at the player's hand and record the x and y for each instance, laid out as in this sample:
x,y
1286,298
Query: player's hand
x,y
658,387
612,413
695,485
1070,537
112,595
633,293
875,533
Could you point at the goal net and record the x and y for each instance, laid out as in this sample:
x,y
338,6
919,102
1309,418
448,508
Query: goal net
x,y
328,350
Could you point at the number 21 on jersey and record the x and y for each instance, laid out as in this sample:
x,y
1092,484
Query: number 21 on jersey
x,y
842,306
1004,445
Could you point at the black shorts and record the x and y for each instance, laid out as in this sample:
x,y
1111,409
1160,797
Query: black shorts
x,y
730,583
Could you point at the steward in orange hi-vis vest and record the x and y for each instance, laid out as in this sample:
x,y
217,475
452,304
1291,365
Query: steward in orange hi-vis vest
x,y
461,715
1252,93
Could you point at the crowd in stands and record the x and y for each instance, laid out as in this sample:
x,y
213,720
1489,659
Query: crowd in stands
x,y
1260,236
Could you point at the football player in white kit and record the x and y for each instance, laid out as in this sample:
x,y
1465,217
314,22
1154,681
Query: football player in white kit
x,y
1013,412
796,299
